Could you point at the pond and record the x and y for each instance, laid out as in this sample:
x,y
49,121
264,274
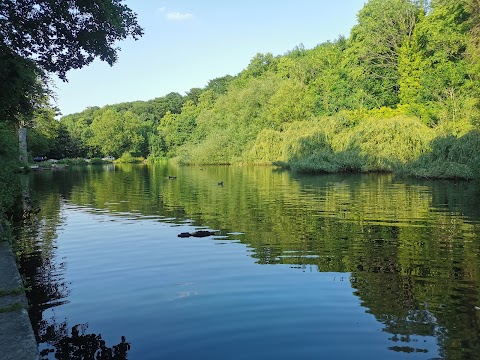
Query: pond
x,y
351,266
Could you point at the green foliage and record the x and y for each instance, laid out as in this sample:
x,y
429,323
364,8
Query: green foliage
x,y
450,157
293,141
384,26
65,35
224,132
291,102
259,65
48,137
326,145
386,144
8,165
128,158
329,72
446,79
375,101
22,86
174,129
114,133
326,161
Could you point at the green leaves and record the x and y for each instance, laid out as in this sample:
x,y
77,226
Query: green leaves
x,y
115,133
22,86
384,26
368,102
64,35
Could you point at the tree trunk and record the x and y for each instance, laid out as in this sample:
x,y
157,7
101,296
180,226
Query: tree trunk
x,y
22,141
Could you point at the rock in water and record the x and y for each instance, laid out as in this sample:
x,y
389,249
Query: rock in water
x,y
199,233
202,233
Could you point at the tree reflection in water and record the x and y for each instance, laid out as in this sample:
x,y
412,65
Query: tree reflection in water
x,y
36,231
79,344
410,248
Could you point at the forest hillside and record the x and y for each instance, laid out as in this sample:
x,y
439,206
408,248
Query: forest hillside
x,y
401,94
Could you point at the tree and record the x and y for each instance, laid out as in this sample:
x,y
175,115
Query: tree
x,y
115,133
43,36
22,86
175,129
384,25
291,102
443,40
260,64
219,85
67,34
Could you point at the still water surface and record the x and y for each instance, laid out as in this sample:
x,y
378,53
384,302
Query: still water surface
x,y
328,267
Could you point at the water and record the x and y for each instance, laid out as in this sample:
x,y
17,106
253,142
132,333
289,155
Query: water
x,y
330,266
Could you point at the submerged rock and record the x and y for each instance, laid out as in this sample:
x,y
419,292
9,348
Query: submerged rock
x,y
199,233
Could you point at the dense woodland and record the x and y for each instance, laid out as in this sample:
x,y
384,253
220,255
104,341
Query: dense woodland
x,y
401,94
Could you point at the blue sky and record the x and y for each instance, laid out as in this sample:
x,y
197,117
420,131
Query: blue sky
x,y
187,43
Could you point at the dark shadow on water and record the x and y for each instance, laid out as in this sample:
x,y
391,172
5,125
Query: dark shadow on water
x,y
77,344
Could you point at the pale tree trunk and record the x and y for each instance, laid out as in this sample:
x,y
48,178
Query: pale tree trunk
x,y
22,141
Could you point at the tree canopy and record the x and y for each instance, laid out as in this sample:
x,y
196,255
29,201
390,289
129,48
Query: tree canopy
x,y
408,75
67,34
41,37
409,69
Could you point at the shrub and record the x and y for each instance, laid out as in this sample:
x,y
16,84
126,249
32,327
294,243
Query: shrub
x,y
387,144
327,161
128,158
450,157
72,161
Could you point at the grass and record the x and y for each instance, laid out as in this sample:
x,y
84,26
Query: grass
x,y
13,307
17,291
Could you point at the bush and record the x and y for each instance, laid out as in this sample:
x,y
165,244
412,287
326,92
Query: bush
x,y
128,158
450,157
97,161
327,161
294,141
72,161
336,144
385,145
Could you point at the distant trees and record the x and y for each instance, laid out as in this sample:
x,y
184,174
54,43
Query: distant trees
x,y
405,62
115,133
